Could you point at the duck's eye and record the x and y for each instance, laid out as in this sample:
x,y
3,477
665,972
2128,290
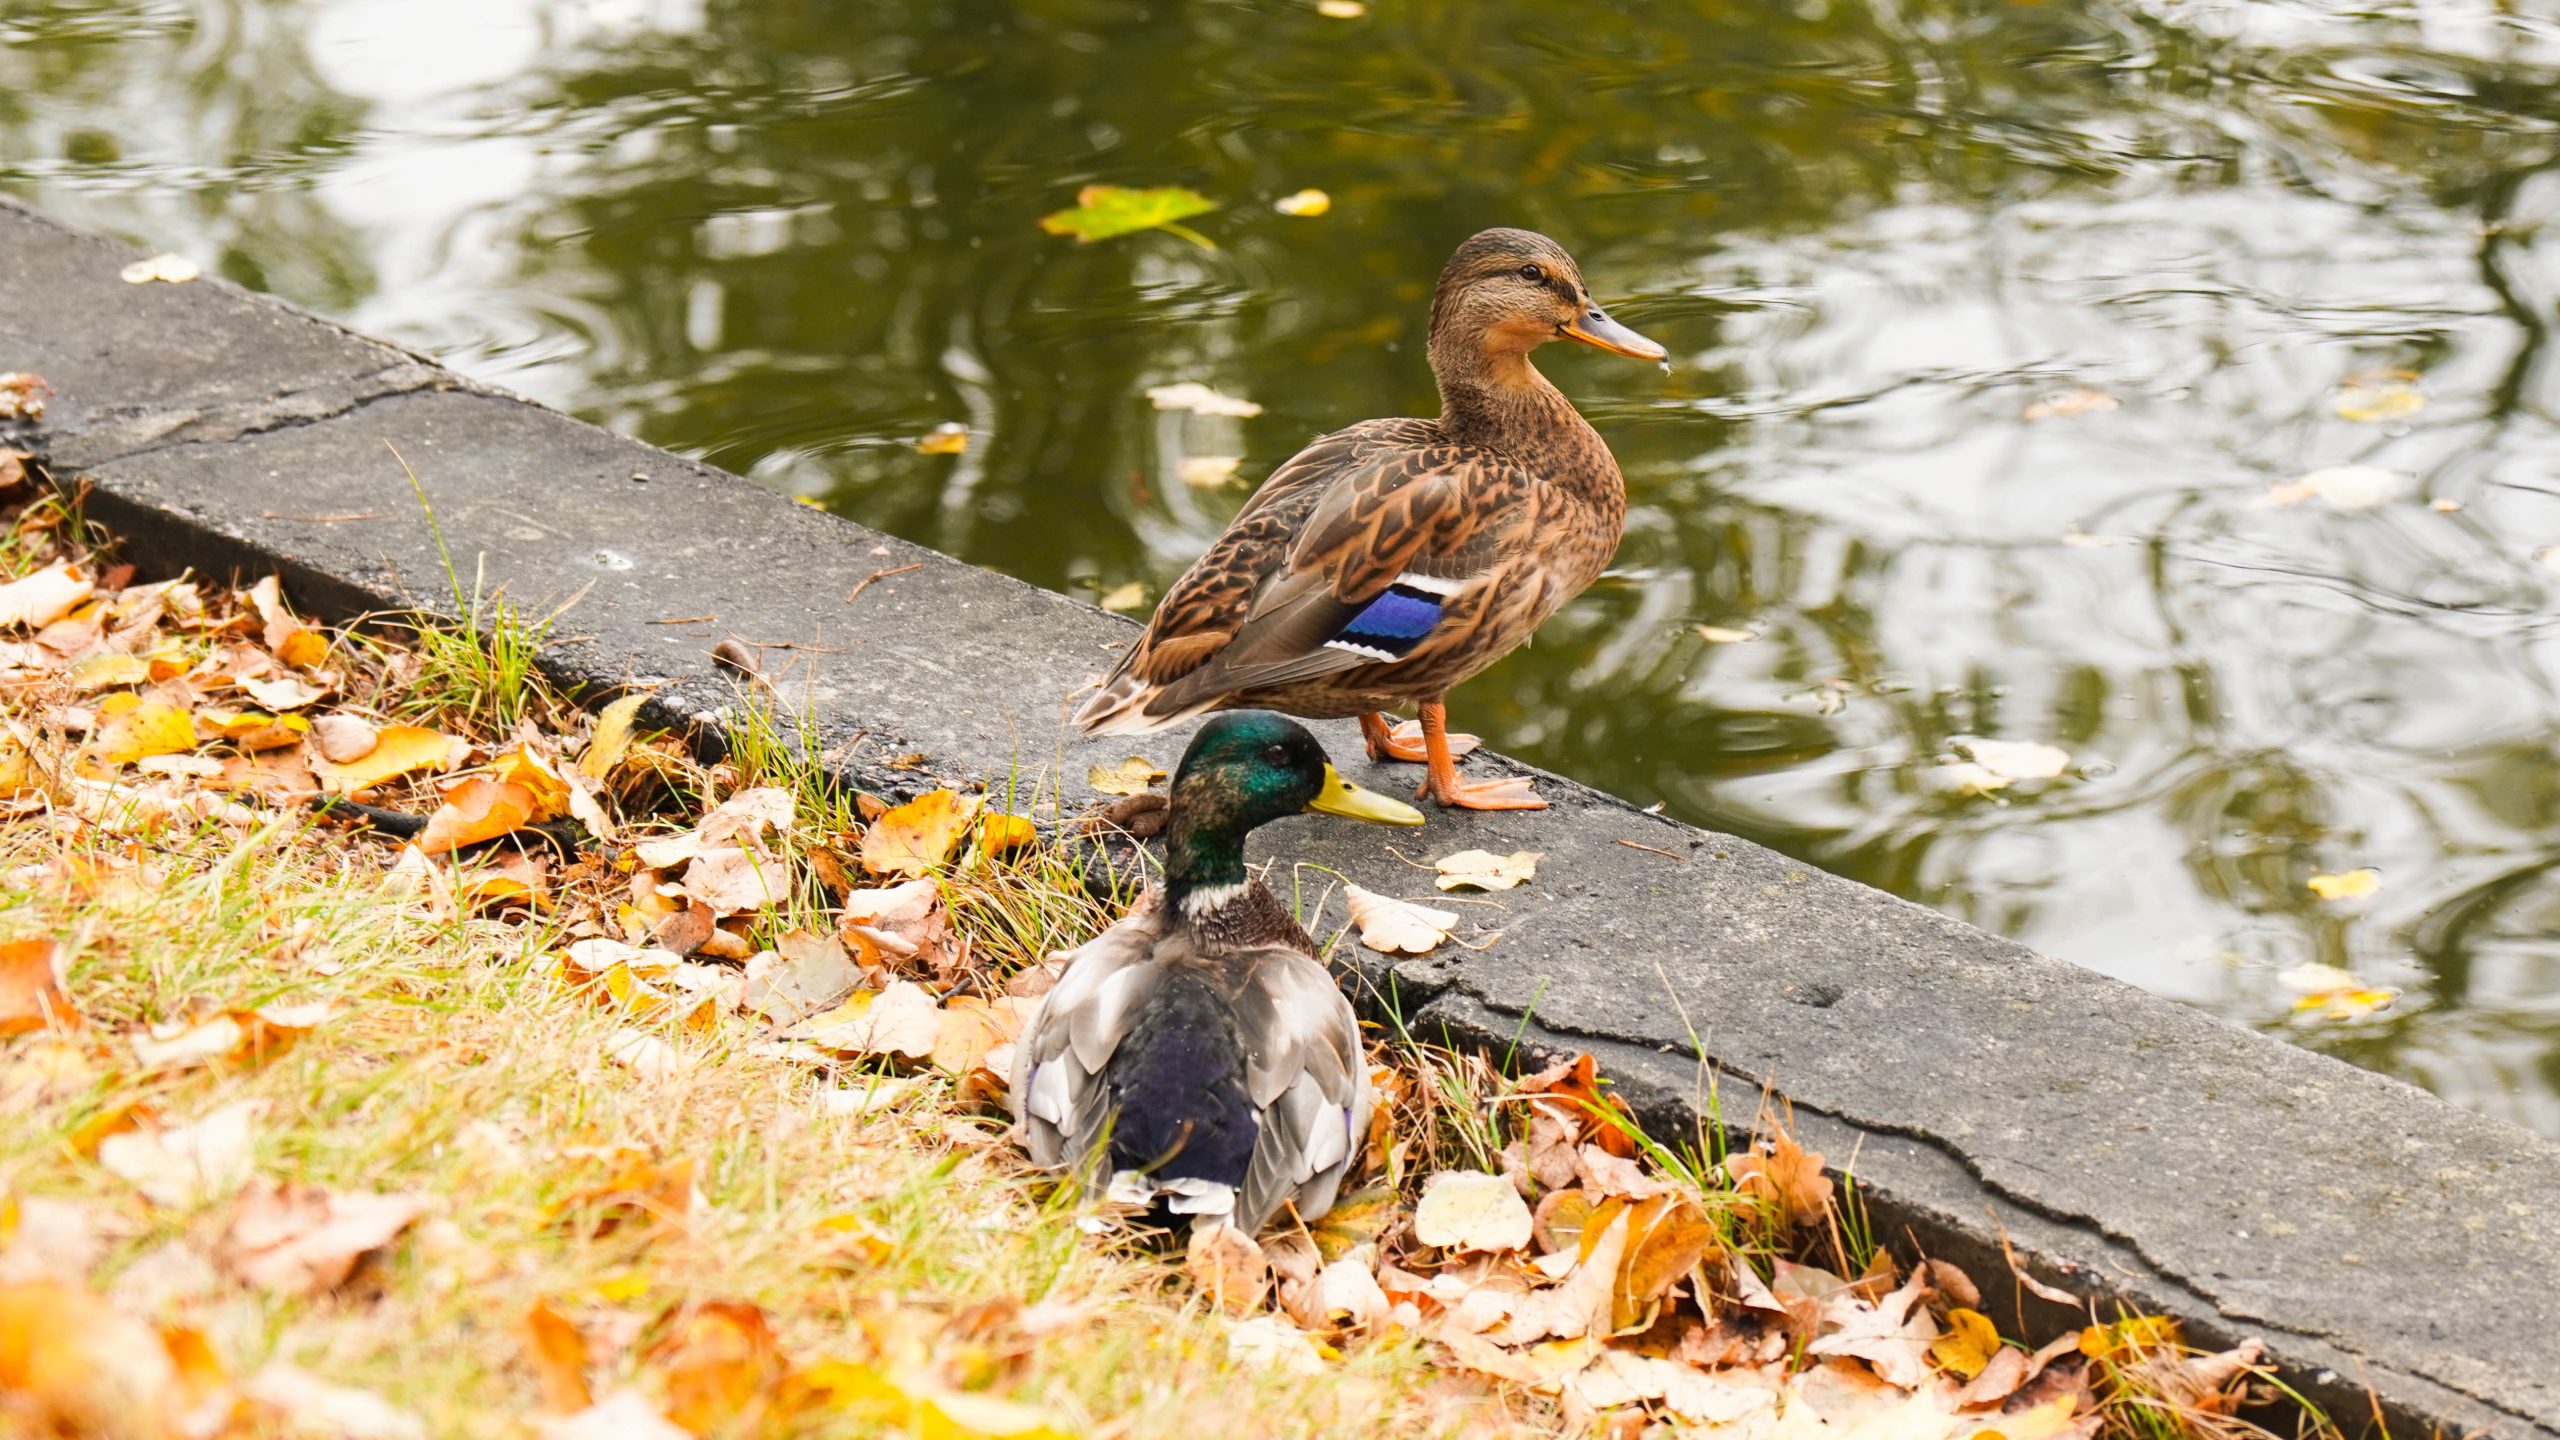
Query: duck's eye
x,y
1276,754
1534,273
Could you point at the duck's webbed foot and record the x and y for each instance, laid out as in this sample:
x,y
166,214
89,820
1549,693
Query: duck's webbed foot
x,y
1403,740
1442,784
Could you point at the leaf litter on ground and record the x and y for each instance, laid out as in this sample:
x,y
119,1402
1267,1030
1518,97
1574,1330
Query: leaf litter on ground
x,y
1511,1253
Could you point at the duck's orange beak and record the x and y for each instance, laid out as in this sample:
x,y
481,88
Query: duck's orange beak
x,y
1594,327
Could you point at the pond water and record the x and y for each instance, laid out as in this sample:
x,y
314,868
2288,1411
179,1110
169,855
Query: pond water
x,y
2268,238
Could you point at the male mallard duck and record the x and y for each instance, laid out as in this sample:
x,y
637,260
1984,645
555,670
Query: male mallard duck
x,y
1390,561
1197,1053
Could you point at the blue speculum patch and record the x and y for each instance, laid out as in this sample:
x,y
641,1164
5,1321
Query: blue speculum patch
x,y
1392,624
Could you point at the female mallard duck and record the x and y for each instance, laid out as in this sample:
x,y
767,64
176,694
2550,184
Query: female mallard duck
x,y
1386,563
1197,1053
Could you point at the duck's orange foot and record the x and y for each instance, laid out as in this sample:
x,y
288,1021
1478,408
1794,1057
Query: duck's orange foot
x,y
1512,794
1403,740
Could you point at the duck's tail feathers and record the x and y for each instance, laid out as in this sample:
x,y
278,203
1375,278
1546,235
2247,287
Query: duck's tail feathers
x,y
1125,707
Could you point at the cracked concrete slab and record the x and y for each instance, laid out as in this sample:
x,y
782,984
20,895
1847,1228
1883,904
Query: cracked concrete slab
x,y
2126,1147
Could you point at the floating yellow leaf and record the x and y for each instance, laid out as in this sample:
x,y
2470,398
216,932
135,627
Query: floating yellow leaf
x,y
918,836
2063,404
1200,399
1207,472
397,750
612,738
1484,870
2346,487
477,809
1970,1342
1306,204
1104,211
1130,777
1341,9
2383,395
1724,635
1471,1210
1120,598
948,438
2016,759
2353,1002
1396,927
2347,885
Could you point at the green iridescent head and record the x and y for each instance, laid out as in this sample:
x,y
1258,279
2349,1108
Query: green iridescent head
x,y
1244,770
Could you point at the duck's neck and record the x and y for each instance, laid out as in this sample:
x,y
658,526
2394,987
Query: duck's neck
x,y
1203,862
1499,400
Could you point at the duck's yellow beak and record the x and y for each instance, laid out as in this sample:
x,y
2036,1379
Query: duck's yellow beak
x,y
1594,327
1341,797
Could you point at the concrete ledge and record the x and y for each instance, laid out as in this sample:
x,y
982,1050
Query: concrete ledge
x,y
2129,1149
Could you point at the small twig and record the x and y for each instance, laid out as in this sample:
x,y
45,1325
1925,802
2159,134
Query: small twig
x,y
866,580
1665,854
687,620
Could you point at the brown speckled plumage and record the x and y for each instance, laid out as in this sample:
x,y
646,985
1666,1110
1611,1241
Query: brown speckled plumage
x,y
1509,503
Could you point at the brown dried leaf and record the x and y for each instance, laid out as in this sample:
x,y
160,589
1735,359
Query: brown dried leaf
x,y
1226,1265
900,1021
1784,1176
1470,1210
238,1037
1396,927
38,600
72,1364
1893,1334
297,1239
902,927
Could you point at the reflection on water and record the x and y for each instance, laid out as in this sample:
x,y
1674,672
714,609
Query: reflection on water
x,y
789,238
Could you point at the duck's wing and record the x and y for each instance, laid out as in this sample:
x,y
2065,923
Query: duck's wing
x,y
1310,1081
1347,556
1056,1092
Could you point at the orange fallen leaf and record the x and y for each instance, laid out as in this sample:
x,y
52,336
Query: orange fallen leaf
x,y
73,1364
721,1363
557,1350
477,809
1970,1342
916,837
642,1193
31,991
